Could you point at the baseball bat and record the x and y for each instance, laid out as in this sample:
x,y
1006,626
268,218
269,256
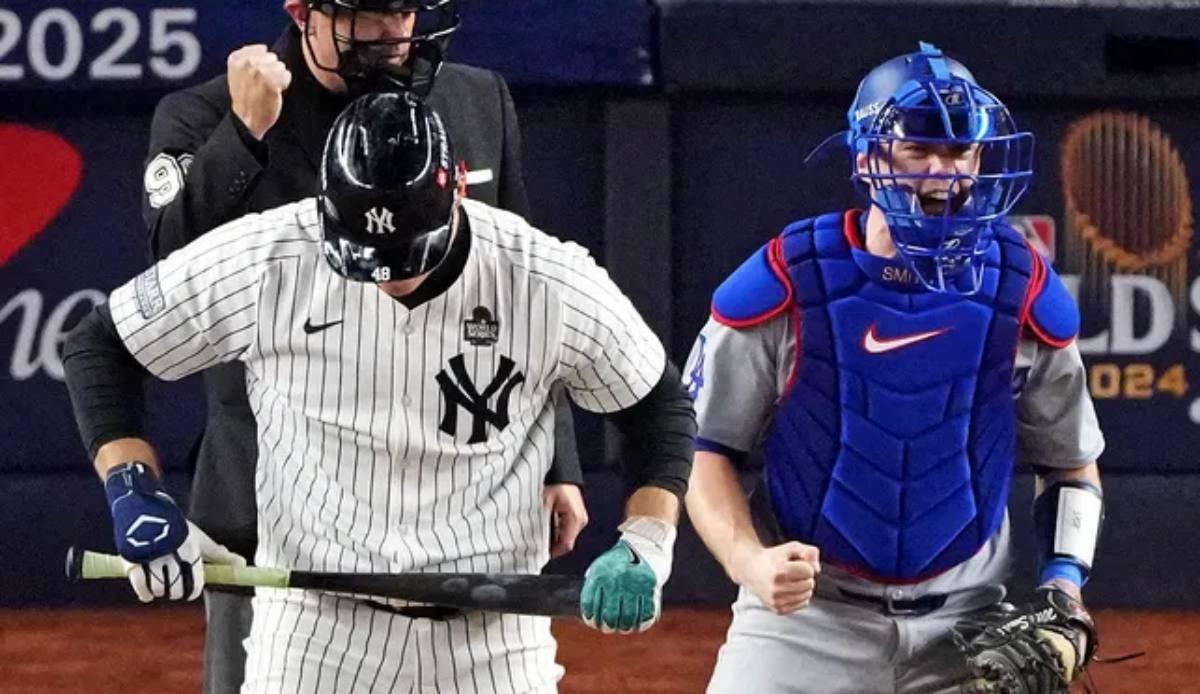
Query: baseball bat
x,y
548,595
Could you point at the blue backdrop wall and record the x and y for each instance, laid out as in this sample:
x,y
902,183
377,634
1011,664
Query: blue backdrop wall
x,y
669,139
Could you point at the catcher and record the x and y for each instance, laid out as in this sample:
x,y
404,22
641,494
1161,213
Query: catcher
x,y
892,365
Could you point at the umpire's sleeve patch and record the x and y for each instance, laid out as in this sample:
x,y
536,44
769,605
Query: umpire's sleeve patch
x,y
164,178
149,294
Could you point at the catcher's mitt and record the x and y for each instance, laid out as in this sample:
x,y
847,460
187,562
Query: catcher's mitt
x,y
1038,649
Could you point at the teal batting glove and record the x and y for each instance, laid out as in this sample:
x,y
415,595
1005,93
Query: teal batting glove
x,y
622,589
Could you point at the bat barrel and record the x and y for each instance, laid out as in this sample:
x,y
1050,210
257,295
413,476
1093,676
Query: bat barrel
x,y
548,595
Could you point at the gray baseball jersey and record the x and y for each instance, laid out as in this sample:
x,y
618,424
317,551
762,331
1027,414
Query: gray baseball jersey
x,y
835,644
394,438
745,371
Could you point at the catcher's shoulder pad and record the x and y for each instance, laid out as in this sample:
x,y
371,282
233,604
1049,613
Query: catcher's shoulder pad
x,y
756,292
762,287
1053,317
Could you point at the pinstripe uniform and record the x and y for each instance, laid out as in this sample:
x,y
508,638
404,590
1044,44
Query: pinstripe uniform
x,y
395,438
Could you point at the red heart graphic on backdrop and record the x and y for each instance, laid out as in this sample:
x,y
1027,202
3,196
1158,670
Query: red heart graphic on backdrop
x,y
39,172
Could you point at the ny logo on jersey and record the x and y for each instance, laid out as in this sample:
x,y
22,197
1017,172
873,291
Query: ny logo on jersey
x,y
460,391
379,221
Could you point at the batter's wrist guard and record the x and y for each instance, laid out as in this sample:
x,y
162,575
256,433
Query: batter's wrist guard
x,y
147,523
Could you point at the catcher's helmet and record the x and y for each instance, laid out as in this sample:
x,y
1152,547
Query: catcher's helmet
x,y
389,189
366,63
928,98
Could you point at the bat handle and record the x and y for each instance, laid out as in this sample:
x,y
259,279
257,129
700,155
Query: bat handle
x,y
82,564
85,565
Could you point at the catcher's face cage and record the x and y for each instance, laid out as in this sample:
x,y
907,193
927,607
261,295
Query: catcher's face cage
x,y
368,55
389,190
944,248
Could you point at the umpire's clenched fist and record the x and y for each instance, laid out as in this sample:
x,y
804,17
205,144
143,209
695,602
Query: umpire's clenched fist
x,y
783,577
257,80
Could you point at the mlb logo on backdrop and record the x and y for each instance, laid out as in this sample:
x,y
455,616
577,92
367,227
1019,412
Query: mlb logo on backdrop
x,y
1039,229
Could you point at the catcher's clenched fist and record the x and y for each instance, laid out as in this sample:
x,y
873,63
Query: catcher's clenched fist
x,y
257,80
783,577
1038,649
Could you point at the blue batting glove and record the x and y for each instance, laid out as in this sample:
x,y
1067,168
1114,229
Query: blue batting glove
x,y
147,523
161,550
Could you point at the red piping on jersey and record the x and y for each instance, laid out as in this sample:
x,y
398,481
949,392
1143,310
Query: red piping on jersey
x,y
797,324
850,228
779,267
1036,284
855,571
1036,281
775,253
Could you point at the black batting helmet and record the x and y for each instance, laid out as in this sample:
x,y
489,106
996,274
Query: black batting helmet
x,y
389,189
366,64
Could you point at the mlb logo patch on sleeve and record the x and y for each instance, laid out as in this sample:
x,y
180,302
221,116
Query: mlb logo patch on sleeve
x,y
149,293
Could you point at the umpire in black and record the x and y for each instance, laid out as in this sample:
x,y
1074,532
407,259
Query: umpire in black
x,y
251,140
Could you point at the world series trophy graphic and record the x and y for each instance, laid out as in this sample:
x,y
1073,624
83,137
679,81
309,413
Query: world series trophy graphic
x,y
1129,225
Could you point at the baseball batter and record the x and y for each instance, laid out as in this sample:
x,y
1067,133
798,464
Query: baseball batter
x,y
891,366
400,345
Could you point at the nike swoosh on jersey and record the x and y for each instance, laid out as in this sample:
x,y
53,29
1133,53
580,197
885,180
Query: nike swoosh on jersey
x,y
310,329
874,344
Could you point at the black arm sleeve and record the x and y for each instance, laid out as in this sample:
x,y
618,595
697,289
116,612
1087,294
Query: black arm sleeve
x,y
565,468
511,191
105,382
660,435
200,171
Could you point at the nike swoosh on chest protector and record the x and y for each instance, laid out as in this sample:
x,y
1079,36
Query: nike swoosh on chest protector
x,y
874,344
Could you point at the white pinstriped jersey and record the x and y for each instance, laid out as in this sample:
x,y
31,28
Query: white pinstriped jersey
x,y
395,439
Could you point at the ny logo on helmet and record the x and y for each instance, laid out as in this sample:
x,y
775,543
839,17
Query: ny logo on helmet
x,y
379,221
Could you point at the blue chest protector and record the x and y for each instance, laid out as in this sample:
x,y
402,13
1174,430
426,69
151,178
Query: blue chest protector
x,y
893,447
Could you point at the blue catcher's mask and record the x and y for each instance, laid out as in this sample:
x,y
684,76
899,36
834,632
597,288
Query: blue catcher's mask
x,y
943,162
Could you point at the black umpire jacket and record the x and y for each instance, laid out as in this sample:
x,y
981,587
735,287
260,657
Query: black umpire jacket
x,y
204,169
